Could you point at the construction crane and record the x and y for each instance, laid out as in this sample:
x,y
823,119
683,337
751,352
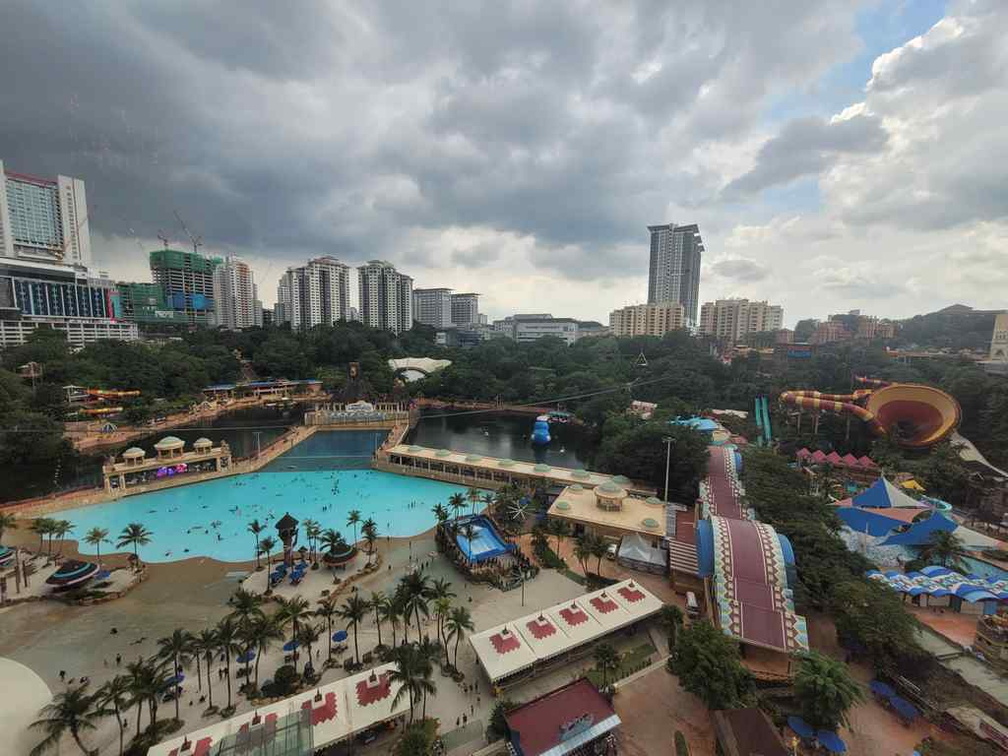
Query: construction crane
x,y
164,239
197,241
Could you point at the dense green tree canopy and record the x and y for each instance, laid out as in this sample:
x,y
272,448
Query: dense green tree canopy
x,y
708,665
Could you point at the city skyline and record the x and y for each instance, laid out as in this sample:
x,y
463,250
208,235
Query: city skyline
x,y
529,160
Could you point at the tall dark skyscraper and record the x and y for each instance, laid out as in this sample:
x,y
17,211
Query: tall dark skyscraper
x,y
674,273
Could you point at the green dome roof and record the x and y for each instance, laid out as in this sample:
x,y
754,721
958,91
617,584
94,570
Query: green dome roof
x,y
414,448
562,505
649,522
621,479
170,442
133,452
506,462
541,468
654,501
442,453
581,474
576,487
473,458
610,488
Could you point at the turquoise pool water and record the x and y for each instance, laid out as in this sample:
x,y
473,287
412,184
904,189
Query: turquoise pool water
x,y
183,519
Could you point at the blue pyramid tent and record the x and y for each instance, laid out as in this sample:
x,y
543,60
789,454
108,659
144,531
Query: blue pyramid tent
x,y
870,523
920,533
883,494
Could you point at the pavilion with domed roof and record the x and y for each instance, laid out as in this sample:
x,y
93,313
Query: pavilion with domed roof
x,y
171,458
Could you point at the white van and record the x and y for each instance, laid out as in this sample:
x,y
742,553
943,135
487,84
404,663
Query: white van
x,y
692,606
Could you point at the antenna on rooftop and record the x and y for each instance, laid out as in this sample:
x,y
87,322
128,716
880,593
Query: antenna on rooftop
x,y
197,241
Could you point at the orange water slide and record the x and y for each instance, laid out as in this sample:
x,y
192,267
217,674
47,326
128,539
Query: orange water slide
x,y
110,393
912,414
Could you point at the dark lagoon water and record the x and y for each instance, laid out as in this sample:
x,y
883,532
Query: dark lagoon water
x,y
502,435
238,428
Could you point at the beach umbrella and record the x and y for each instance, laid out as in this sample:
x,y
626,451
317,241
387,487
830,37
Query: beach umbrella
x,y
339,636
247,657
831,741
879,688
801,727
290,645
175,680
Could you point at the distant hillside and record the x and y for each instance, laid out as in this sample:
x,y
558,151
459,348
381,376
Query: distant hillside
x,y
955,327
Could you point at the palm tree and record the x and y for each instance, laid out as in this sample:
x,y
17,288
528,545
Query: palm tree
x,y
825,690
377,602
352,519
148,682
42,526
328,611
333,542
354,610
442,594
255,528
244,606
312,530
7,522
391,612
228,643
559,528
429,652
598,550
408,672
134,534
582,551
474,495
469,530
440,513
176,648
671,619
606,660
96,537
260,632
293,611
458,622
72,711
63,528
946,548
266,546
417,591
116,693
457,502
206,642
370,532
308,635
489,499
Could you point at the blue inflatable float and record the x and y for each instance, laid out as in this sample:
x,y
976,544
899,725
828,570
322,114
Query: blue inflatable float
x,y
540,431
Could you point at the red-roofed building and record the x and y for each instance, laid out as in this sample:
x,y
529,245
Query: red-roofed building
x,y
574,719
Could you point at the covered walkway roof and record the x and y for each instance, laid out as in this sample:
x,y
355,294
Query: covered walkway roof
x,y
522,643
300,724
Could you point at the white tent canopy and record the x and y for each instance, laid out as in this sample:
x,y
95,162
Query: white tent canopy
x,y
635,548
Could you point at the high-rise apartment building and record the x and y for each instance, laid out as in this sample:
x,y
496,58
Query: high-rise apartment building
x,y
465,309
187,279
731,319
386,297
234,294
317,293
674,271
647,319
45,251
433,307
44,220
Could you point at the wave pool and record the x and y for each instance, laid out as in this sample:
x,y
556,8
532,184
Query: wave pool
x,y
211,519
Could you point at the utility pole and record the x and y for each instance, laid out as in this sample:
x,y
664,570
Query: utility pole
x,y
668,460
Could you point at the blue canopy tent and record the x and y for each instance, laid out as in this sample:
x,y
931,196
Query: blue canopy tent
x,y
883,494
871,523
921,533
882,689
290,645
246,657
339,636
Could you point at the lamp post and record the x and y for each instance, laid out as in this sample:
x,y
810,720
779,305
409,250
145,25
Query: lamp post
x,y
668,460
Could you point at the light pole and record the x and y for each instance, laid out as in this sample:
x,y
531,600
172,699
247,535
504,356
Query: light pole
x,y
668,460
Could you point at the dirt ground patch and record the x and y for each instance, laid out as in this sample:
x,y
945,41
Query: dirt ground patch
x,y
652,708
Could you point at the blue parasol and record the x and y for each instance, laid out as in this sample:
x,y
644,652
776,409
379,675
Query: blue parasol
x,y
880,688
831,741
247,657
103,575
904,708
339,636
801,727
174,680
290,645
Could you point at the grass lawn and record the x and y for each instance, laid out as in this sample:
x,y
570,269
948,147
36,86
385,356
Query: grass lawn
x,y
630,662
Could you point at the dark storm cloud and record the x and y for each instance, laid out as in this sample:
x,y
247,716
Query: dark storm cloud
x,y
807,146
338,127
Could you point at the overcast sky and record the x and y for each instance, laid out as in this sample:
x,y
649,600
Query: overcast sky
x,y
835,154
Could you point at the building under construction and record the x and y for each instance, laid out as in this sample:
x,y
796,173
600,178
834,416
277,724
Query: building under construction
x,y
187,281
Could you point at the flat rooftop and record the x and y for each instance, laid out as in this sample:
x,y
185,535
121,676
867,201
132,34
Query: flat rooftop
x,y
636,515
